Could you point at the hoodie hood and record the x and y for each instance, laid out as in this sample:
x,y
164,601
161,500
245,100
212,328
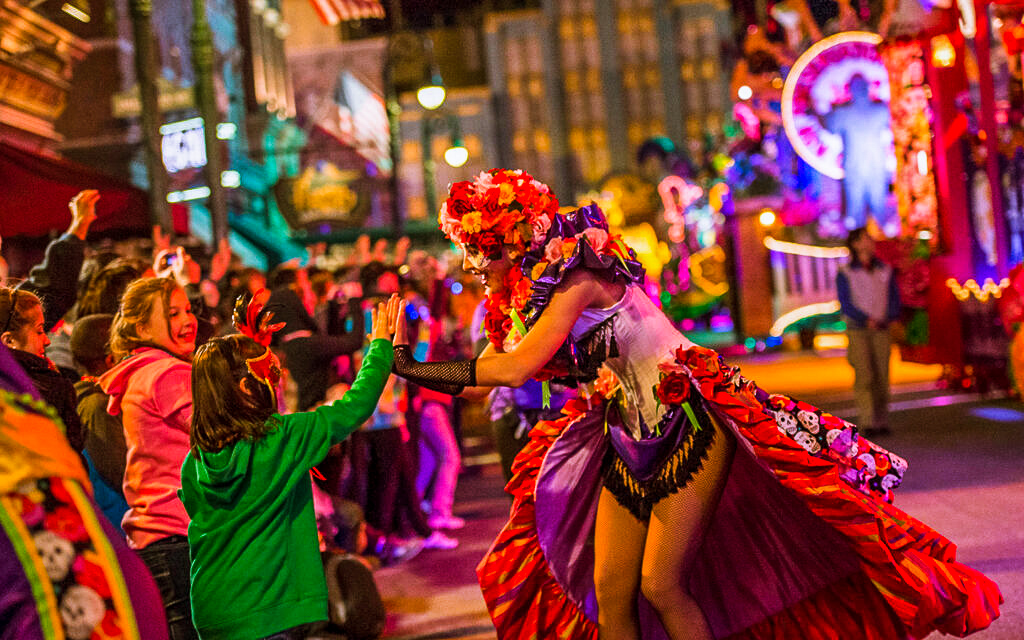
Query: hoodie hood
x,y
225,475
115,381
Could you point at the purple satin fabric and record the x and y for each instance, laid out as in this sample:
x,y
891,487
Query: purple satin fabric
x,y
610,267
645,457
764,550
17,605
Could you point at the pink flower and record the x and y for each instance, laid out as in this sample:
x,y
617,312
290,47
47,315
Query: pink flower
x,y
540,225
484,181
597,238
553,251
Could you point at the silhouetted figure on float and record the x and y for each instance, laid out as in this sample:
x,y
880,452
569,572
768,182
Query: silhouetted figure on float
x,y
861,123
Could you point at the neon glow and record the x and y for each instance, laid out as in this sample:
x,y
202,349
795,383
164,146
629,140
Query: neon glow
x,y
802,127
188,194
75,12
805,249
817,309
981,293
745,93
922,162
767,218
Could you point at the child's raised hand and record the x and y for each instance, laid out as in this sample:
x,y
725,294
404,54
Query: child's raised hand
x,y
383,318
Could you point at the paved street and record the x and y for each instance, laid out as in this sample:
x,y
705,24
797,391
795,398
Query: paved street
x,y
966,479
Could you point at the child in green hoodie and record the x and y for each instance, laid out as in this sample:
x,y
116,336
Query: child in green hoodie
x,y
256,569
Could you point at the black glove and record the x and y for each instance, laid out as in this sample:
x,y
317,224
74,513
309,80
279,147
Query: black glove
x,y
449,377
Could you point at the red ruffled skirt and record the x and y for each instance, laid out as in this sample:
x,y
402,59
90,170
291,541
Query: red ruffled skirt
x,y
794,550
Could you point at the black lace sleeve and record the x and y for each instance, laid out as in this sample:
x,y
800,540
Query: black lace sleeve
x,y
449,377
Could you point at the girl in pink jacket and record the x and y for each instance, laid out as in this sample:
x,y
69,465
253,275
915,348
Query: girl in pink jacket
x,y
154,336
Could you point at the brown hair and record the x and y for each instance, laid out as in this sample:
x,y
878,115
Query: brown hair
x,y
106,287
14,307
136,307
222,413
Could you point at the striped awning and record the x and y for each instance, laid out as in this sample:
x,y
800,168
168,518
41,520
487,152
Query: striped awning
x,y
334,11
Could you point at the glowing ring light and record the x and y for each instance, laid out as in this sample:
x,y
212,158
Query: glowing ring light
x,y
828,64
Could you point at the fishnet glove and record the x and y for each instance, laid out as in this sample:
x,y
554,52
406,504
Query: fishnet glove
x,y
449,377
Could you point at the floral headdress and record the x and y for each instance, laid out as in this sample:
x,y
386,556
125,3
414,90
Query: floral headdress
x,y
248,321
500,207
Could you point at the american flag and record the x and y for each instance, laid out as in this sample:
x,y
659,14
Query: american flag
x,y
334,11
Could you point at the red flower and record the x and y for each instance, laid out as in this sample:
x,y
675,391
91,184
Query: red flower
x,y
109,628
674,389
488,244
90,574
67,523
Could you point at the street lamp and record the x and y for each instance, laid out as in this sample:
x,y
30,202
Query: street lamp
x,y
455,155
431,94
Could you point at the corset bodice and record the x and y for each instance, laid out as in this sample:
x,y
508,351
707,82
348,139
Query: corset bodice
x,y
644,336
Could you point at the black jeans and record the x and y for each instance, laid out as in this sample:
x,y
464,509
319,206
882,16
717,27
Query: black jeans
x,y
168,561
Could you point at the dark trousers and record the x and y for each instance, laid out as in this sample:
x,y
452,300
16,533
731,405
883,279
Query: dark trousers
x,y
168,562
385,482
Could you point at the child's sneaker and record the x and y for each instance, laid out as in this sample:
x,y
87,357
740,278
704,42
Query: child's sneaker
x,y
439,540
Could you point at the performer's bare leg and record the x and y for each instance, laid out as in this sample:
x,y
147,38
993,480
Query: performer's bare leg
x,y
674,537
618,552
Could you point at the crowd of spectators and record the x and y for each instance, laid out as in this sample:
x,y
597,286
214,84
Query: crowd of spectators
x,y
107,340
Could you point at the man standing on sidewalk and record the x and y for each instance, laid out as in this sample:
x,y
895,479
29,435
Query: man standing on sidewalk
x,y
869,300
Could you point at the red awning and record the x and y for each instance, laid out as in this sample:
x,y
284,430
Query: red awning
x,y
35,191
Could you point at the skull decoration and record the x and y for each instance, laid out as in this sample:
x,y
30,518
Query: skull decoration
x,y
81,609
899,465
869,462
809,420
786,422
56,553
832,434
807,441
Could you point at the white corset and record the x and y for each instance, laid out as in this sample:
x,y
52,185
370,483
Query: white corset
x,y
644,337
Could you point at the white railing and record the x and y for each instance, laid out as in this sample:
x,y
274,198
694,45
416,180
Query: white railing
x,y
804,280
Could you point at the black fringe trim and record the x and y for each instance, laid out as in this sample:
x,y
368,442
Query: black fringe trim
x,y
675,473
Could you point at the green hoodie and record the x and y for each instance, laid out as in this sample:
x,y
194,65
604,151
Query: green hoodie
x,y
256,566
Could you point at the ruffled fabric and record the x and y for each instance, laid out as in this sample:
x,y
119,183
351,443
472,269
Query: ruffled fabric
x,y
910,564
874,572
611,264
523,597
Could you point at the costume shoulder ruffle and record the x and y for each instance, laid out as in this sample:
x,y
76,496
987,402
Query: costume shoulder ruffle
x,y
577,240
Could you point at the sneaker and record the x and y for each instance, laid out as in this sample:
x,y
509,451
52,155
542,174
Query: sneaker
x,y
398,551
446,522
439,540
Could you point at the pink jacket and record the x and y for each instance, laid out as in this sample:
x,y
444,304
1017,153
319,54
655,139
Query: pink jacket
x,y
153,391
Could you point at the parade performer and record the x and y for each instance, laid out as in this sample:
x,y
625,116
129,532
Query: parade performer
x,y
678,500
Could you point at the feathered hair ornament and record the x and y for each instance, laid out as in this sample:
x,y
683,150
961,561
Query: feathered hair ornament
x,y
250,321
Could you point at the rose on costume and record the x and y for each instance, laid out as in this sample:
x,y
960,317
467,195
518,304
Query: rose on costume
x,y
598,238
674,388
553,250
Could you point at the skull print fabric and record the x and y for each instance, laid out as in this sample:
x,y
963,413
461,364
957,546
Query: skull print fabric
x,y
868,467
71,562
